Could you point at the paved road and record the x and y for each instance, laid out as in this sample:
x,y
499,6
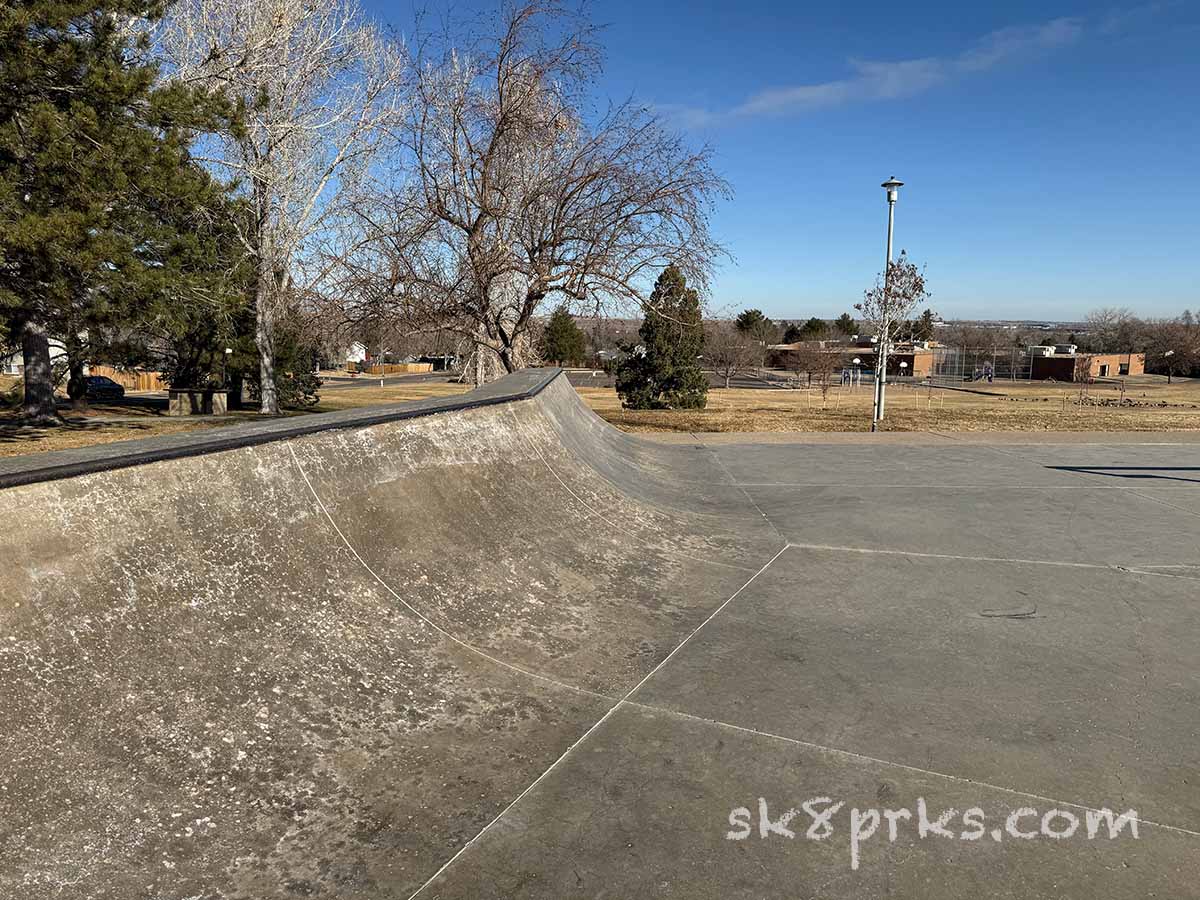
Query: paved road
x,y
509,652
598,378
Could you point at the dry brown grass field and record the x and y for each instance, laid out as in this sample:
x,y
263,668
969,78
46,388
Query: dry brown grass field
x,y
84,431
103,423
373,394
1150,405
1002,406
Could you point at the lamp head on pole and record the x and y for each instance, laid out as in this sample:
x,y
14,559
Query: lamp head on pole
x,y
892,186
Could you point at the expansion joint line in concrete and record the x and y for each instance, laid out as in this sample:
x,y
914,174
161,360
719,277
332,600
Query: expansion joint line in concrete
x,y
948,486
1132,489
420,615
624,700
745,493
1146,497
878,551
1181,509
874,760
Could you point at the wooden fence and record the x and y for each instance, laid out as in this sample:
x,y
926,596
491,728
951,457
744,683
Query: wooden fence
x,y
131,379
391,368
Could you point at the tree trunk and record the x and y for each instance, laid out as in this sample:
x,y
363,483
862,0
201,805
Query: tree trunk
x,y
487,365
264,340
76,385
39,381
506,360
235,391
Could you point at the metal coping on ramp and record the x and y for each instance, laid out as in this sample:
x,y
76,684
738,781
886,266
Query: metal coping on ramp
x,y
57,464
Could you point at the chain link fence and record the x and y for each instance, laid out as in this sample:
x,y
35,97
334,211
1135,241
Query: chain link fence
x,y
952,365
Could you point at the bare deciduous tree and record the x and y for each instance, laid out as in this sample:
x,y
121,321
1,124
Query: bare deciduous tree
x,y
891,302
317,90
820,365
1112,330
1172,347
727,351
517,195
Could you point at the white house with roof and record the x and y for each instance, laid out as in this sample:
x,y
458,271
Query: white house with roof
x,y
14,363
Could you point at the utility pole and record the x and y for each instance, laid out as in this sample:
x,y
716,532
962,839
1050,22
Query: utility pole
x,y
892,186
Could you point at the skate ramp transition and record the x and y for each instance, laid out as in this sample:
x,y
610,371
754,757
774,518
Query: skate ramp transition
x,y
490,647
316,657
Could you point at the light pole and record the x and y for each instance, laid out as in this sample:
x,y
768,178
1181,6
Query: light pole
x,y
892,186
857,373
1167,356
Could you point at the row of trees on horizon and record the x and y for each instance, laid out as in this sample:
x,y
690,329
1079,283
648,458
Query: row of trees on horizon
x,y
270,176
1171,345
227,190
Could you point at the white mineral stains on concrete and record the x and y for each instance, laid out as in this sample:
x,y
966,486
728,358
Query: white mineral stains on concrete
x,y
201,680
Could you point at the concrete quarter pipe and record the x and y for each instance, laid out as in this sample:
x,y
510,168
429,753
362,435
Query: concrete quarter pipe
x,y
495,648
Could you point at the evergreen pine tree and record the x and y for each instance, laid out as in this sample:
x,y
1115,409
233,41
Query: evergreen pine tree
x,y
665,373
813,329
845,324
923,327
749,321
89,146
563,342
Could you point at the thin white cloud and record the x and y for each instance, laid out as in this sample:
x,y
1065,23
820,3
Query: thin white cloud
x,y
1013,43
1121,20
871,80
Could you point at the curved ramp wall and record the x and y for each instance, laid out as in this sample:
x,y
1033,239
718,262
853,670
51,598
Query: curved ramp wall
x,y
318,657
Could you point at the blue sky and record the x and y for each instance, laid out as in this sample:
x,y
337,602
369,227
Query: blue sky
x,y
1049,150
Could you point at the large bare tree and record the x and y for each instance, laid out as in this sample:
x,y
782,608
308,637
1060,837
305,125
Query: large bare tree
x,y
317,90
510,192
1173,346
1112,329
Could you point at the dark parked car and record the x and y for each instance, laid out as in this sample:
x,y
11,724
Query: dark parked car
x,y
101,388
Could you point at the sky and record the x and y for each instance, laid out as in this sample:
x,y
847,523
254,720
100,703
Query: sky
x,y
1049,150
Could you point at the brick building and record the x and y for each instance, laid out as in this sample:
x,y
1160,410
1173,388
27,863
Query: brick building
x,y
919,359
1081,366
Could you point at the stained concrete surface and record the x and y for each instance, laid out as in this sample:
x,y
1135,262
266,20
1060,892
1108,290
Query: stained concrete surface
x,y
509,652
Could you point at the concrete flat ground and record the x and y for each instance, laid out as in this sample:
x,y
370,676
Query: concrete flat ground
x,y
989,438
980,627
512,653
